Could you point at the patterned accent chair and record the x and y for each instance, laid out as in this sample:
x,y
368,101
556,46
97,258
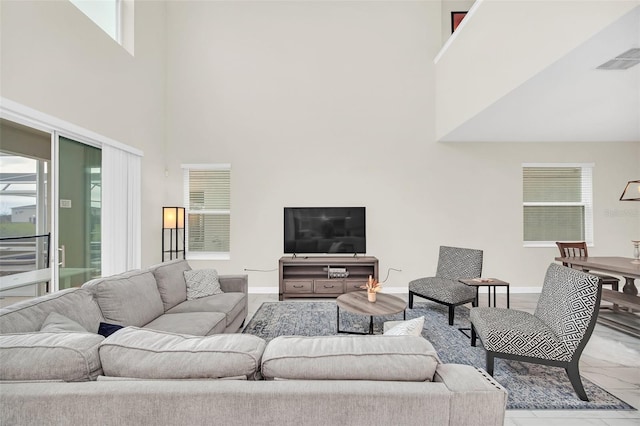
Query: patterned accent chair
x,y
555,334
453,264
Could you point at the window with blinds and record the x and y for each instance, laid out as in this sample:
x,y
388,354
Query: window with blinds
x,y
557,203
207,192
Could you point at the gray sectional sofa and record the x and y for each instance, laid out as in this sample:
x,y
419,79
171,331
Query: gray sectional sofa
x,y
179,362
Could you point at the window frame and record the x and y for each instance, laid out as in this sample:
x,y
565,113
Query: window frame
x,y
586,200
204,255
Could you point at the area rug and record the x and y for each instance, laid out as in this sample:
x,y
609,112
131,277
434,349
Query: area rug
x,y
530,386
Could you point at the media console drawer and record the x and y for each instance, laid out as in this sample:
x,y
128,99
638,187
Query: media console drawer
x,y
354,285
328,286
298,286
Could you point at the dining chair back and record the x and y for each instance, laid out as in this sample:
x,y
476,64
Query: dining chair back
x,y
573,249
579,249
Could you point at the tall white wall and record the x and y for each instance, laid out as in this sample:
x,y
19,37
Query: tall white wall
x,y
56,60
313,104
332,104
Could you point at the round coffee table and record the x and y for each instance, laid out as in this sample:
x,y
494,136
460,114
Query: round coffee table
x,y
358,303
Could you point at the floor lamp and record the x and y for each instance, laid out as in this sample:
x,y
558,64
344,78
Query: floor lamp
x,y
632,193
173,233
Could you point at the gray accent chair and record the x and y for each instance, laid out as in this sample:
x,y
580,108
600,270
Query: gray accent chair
x,y
454,263
555,334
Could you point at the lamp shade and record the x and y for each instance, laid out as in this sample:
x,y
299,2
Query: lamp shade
x,y
173,217
631,192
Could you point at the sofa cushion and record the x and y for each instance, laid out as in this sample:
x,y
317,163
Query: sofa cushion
x,y
230,304
170,281
148,354
399,358
56,323
131,298
29,315
194,323
69,357
202,283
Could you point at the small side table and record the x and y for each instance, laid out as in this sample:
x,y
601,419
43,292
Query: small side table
x,y
490,283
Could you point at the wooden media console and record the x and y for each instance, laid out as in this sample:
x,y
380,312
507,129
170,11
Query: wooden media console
x,y
324,276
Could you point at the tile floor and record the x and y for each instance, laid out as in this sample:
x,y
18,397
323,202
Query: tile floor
x,y
611,360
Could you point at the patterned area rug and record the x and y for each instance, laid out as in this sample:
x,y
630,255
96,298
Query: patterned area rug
x,y
530,386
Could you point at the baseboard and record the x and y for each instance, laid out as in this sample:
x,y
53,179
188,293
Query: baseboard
x,y
263,290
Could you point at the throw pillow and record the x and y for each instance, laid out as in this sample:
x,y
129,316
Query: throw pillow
x,y
407,328
107,330
56,323
202,283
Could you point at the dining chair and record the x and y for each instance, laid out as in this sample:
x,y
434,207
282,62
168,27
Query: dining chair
x,y
445,288
579,249
555,334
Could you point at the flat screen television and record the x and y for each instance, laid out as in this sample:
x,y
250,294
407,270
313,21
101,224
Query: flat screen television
x,y
312,230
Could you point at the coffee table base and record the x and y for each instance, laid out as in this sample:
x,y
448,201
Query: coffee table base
x,y
404,317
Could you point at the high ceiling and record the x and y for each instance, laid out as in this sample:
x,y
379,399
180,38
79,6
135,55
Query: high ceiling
x,y
570,100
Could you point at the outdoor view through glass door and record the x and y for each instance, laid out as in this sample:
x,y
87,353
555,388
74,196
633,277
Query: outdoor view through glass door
x,y
25,157
79,212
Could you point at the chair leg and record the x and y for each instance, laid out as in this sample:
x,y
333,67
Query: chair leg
x,y
489,363
451,314
473,335
574,376
410,300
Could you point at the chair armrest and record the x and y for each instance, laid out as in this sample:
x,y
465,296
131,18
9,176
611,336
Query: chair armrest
x,y
234,283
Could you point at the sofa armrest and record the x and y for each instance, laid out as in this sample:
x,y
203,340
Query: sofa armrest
x,y
234,283
484,398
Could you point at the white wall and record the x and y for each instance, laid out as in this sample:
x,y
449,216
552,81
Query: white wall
x,y
313,104
56,60
332,103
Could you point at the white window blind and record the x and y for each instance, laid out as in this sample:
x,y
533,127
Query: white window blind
x,y
557,203
207,197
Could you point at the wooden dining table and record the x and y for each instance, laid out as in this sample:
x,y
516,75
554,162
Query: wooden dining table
x,y
622,266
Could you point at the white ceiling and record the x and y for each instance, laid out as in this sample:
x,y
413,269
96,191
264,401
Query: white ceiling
x,y
570,101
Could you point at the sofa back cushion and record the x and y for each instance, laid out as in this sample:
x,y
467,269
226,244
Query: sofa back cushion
x,y
68,357
149,354
29,315
397,358
131,298
170,281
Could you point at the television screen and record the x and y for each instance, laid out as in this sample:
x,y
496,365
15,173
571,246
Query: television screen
x,y
324,230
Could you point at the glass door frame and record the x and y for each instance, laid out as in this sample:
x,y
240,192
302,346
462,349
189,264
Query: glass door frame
x,y
56,254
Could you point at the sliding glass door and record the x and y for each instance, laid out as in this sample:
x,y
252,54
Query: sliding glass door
x,y
70,178
79,208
